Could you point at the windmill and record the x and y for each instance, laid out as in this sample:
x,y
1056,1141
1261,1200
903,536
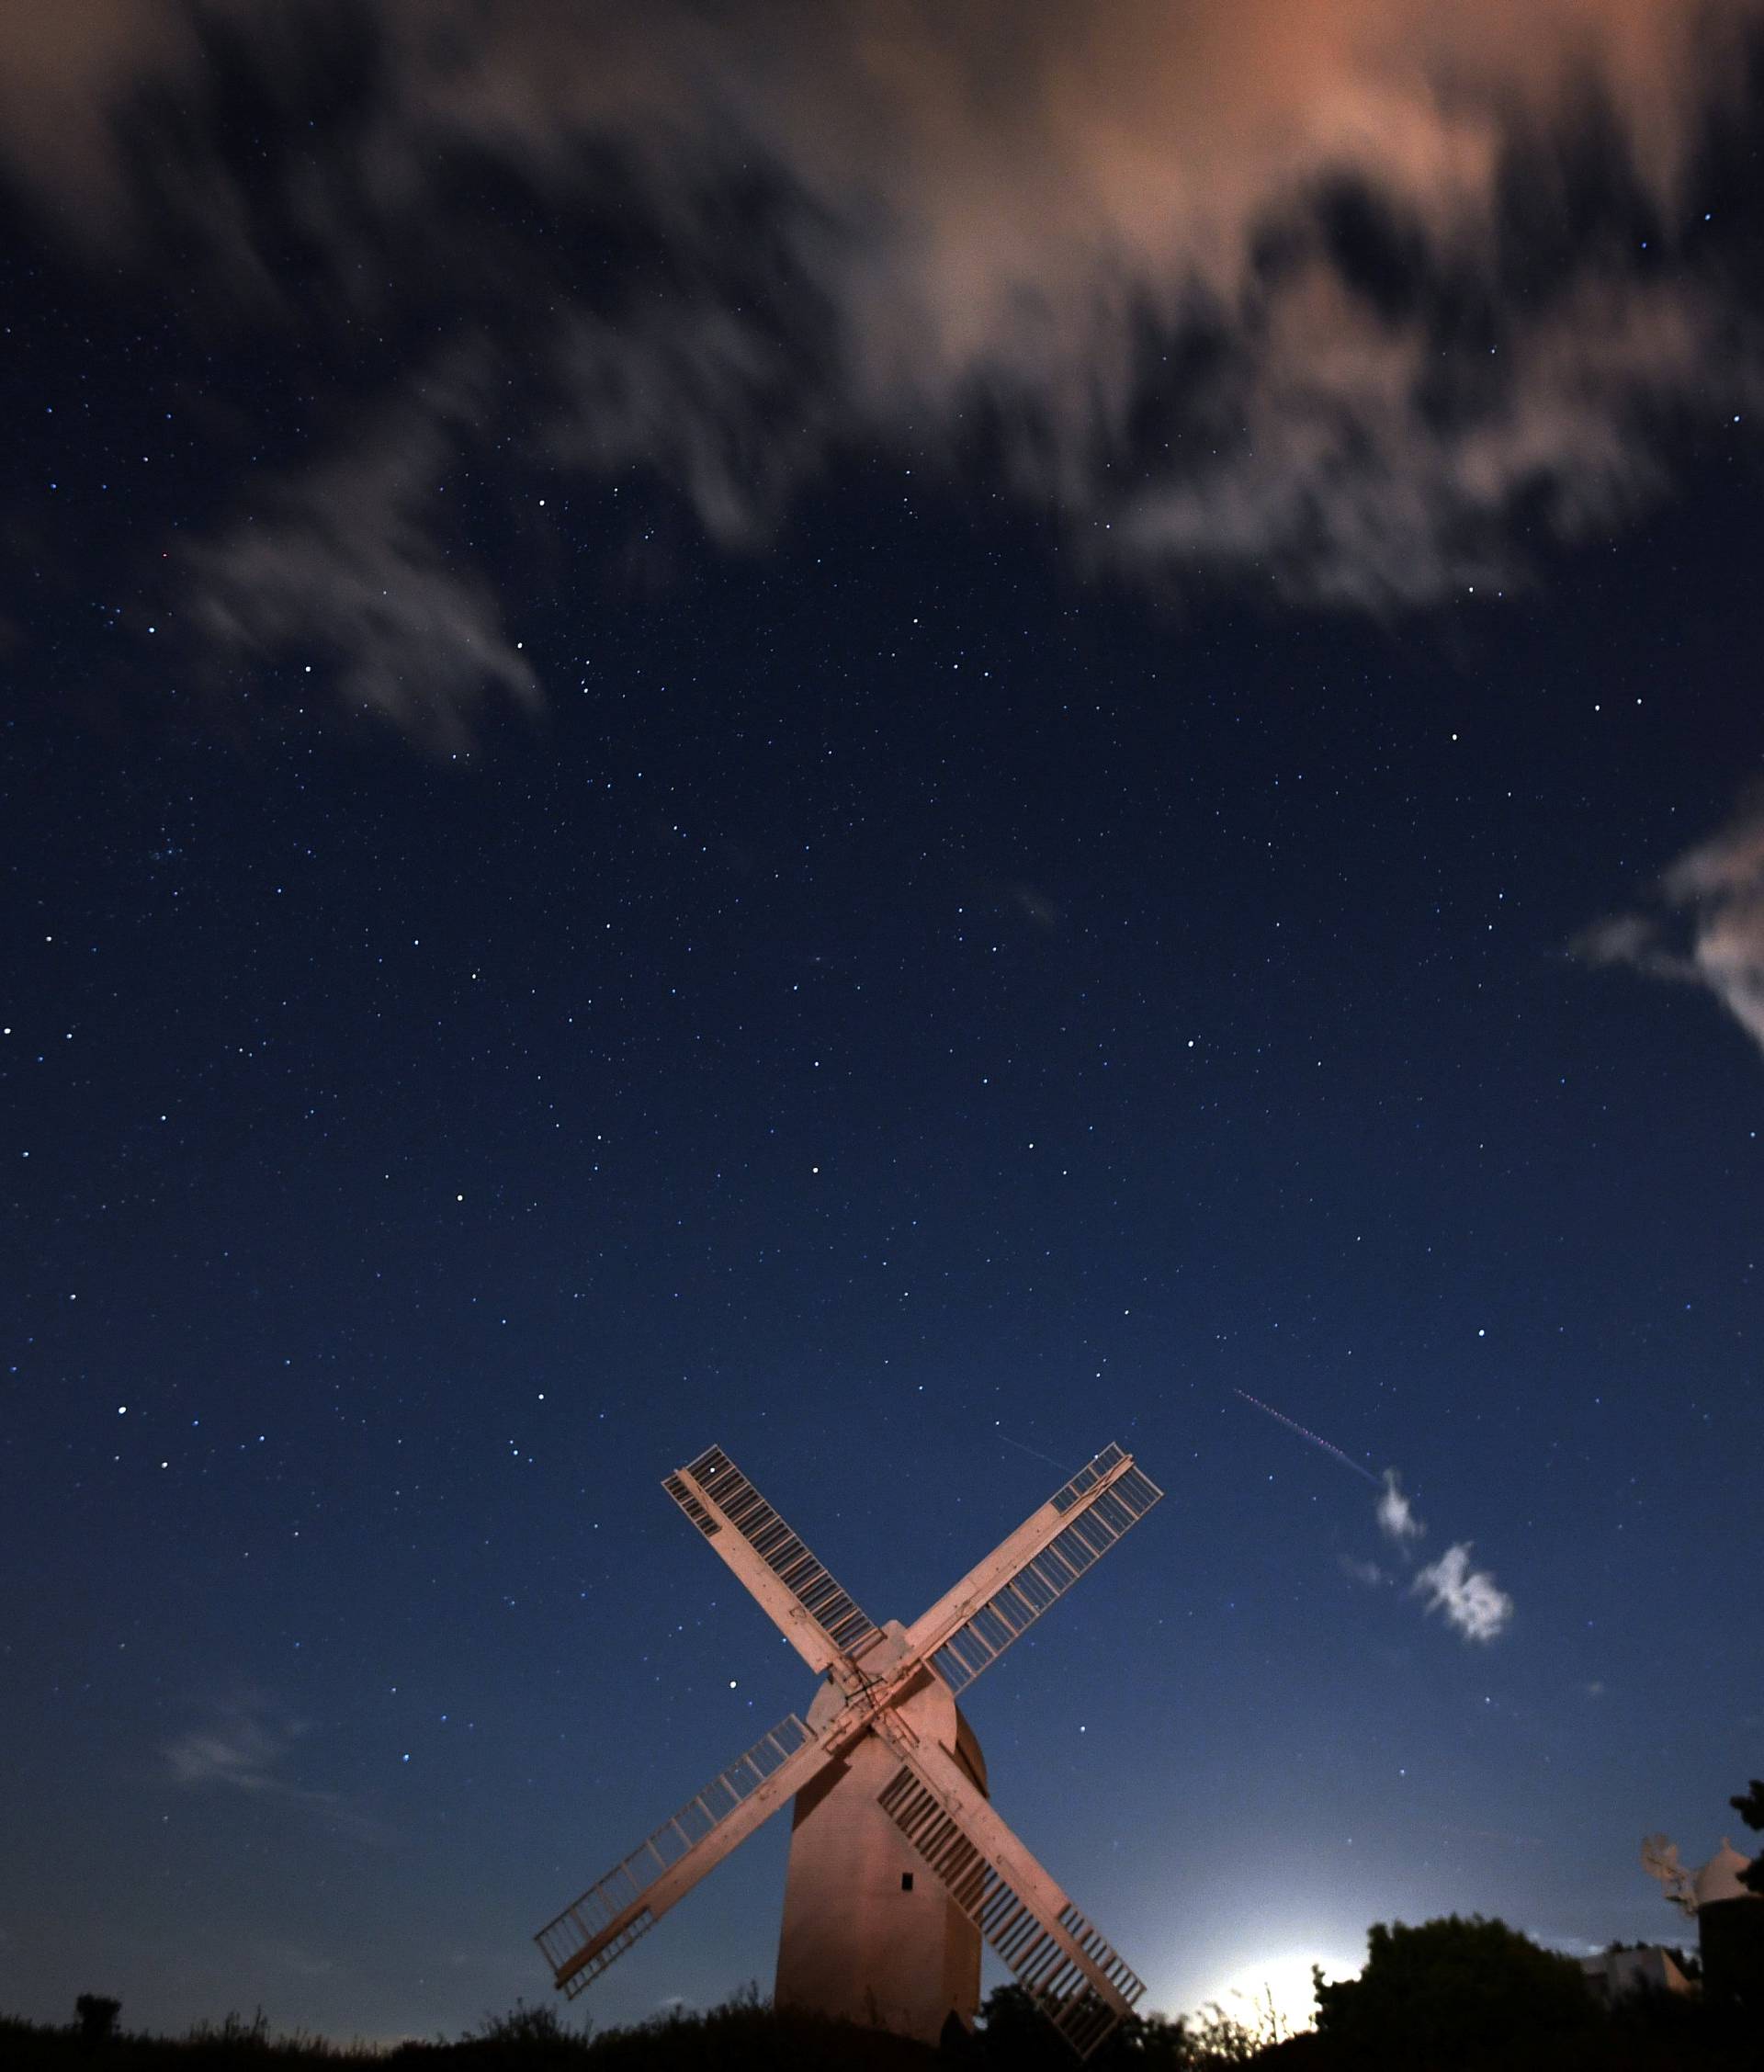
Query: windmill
x,y
898,1864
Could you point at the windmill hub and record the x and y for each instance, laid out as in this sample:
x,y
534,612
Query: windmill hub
x,y
899,1864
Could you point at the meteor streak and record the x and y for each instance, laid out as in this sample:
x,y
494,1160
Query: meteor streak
x,y
1022,1449
1304,1432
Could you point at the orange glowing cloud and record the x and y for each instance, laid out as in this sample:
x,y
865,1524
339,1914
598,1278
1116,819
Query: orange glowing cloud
x,y
1310,298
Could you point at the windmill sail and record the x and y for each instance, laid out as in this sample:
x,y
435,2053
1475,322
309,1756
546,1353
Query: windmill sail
x,y
634,1895
972,1626
1077,1980
841,1625
1660,1860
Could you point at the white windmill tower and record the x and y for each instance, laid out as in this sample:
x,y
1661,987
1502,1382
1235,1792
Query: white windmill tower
x,y
898,1863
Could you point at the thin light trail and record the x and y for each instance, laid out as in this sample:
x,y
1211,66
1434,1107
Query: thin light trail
x,y
1022,1449
1304,1432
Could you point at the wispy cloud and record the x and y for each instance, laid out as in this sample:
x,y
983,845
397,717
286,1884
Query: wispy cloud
x,y
1702,925
1470,1598
247,1745
1396,1519
1303,299
349,566
297,1958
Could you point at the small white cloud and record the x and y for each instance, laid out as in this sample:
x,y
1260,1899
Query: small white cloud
x,y
1396,1517
1470,1598
1367,1572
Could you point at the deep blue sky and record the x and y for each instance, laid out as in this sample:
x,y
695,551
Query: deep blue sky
x,y
894,993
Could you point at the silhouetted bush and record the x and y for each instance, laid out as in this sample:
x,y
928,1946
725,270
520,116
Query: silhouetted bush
x,y
529,2029
743,2035
1014,2037
1749,1806
233,2033
1451,1993
1660,2033
97,2015
1215,2038
527,2037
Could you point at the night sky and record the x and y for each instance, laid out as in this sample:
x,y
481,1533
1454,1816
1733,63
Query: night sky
x,y
910,745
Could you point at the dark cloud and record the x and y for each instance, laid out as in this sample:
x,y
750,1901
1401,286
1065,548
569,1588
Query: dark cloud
x,y
1335,303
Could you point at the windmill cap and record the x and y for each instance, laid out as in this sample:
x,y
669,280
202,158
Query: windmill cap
x,y
1719,1878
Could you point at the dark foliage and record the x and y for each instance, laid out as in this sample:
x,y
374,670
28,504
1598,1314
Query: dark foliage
x,y
98,2017
1013,2037
1477,1973
1749,1806
1475,1996
743,2036
1453,1993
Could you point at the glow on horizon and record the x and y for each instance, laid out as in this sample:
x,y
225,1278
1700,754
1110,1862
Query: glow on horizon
x,y
1281,1982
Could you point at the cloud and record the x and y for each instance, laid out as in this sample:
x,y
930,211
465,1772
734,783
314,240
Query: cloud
x,y
1470,1598
62,82
297,1958
348,568
1338,305
1035,906
240,1749
1396,1519
245,1746
1703,925
1367,1572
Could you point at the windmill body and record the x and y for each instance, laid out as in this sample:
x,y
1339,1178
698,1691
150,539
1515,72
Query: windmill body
x,y
869,1934
899,1863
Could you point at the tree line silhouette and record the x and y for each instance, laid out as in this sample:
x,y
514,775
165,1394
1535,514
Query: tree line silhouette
x,y
1452,1995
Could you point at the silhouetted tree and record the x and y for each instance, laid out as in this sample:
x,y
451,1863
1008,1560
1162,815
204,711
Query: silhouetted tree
x,y
1017,2037
1151,2042
1450,1992
1749,1806
97,2014
1014,2032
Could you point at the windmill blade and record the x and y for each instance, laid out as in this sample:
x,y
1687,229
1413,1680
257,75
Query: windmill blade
x,y
819,1620
1081,1985
969,1628
634,1895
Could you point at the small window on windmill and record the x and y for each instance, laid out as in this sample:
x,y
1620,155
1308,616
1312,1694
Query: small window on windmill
x,y
906,1881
